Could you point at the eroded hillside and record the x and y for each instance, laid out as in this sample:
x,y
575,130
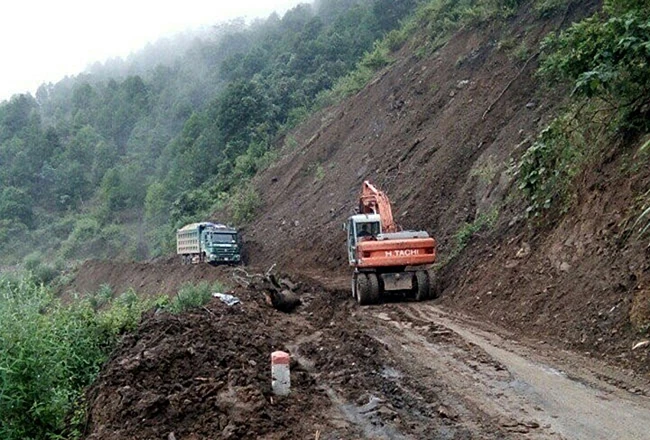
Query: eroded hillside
x,y
440,135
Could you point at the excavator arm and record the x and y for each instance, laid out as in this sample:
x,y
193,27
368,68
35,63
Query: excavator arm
x,y
374,201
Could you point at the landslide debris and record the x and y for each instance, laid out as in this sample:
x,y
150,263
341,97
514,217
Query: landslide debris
x,y
440,135
203,374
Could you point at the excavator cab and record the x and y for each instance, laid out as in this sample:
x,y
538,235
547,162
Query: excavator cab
x,y
361,227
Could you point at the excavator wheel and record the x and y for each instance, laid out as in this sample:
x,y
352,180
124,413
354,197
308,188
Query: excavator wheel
x,y
422,287
434,285
364,296
373,281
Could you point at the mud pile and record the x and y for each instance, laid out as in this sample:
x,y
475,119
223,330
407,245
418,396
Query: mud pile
x,y
203,374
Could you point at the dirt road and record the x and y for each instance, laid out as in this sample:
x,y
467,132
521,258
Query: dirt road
x,y
521,391
400,370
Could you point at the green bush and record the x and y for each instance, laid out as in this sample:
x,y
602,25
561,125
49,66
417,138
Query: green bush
x,y
547,168
546,8
465,233
43,273
606,57
101,297
190,296
49,352
243,204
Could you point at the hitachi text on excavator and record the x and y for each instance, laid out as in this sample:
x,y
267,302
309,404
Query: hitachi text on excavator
x,y
386,260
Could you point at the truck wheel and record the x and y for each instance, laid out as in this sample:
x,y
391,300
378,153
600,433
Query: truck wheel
x,y
373,282
363,290
422,288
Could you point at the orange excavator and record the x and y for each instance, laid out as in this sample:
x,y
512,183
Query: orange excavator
x,y
386,260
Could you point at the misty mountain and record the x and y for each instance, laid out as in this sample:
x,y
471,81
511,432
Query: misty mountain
x,y
110,161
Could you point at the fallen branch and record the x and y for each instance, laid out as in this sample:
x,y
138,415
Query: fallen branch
x,y
268,272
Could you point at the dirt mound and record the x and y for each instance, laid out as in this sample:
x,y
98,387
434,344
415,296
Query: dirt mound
x,y
205,374
164,276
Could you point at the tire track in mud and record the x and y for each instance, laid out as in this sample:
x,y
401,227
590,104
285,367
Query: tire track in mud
x,y
486,376
381,395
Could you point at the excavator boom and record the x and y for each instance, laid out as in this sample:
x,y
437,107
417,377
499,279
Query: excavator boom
x,y
374,201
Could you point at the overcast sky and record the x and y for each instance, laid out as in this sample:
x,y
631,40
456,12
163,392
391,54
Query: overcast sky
x,y
45,40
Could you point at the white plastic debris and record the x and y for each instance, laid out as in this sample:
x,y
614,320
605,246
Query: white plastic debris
x,y
229,300
641,344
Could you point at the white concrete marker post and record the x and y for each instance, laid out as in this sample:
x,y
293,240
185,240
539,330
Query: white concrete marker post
x,y
280,375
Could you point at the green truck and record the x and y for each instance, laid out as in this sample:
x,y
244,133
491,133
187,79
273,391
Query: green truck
x,y
208,242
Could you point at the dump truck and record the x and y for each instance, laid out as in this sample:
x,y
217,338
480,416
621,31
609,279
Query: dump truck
x,y
386,260
208,242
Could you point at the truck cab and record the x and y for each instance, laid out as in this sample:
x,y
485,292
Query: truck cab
x,y
220,244
208,242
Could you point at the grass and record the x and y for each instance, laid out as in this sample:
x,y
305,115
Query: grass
x,y
191,296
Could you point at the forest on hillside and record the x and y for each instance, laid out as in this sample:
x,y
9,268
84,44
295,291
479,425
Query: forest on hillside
x,y
108,163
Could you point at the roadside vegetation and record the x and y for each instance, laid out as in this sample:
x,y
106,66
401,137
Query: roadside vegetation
x,y
603,61
51,350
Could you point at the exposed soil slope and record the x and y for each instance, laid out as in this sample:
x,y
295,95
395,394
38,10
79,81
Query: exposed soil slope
x,y
422,132
438,135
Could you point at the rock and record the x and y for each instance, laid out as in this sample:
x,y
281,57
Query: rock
x,y
446,412
508,423
531,105
286,282
383,316
511,263
565,267
523,251
171,436
462,84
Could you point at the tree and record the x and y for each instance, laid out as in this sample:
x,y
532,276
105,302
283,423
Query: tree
x,y
16,205
15,115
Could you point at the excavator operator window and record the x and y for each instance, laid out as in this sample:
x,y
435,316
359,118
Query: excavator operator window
x,y
370,229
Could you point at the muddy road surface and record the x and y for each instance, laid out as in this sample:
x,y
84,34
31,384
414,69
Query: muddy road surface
x,y
399,370
520,389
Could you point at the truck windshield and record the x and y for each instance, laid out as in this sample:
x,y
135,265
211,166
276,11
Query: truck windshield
x,y
223,238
